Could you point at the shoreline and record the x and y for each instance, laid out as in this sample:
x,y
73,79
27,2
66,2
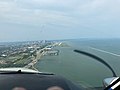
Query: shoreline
x,y
35,60
41,53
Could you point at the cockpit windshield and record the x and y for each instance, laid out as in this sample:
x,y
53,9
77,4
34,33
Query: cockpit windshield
x,y
77,40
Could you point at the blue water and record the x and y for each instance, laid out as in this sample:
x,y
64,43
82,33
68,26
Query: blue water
x,y
82,69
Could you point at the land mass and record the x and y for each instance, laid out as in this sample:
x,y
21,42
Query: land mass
x,y
27,54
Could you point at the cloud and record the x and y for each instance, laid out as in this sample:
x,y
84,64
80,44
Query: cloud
x,y
63,12
58,17
23,11
99,6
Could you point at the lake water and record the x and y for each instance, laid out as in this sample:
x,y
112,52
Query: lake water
x,y
83,69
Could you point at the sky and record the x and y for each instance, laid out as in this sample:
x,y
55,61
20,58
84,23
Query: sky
x,y
22,20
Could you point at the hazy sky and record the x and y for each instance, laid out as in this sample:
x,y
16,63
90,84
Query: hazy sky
x,y
59,19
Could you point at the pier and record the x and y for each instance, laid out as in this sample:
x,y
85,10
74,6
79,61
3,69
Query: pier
x,y
52,52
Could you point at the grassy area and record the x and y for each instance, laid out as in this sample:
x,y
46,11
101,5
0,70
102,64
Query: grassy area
x,y
19,60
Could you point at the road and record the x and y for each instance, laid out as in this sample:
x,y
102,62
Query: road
x,y
35,60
